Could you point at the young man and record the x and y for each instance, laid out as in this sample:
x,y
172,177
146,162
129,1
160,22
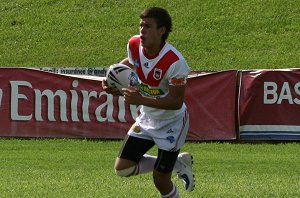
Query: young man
x,y
164,120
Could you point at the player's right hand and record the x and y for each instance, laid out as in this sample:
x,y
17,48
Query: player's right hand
x,y
109,89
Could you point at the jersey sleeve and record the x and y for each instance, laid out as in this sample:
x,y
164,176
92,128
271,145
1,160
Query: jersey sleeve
x,y
130,59
178,73
133,48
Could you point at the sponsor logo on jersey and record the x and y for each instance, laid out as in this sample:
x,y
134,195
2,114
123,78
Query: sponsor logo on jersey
x,y
150,91
157,74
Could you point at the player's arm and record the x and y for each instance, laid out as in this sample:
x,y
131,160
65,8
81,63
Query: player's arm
x,y
125,61
172,101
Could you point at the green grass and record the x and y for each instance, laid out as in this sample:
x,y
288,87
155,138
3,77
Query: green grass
x,y
212,35
82,168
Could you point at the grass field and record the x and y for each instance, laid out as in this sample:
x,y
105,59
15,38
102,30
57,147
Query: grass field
x,y
212,35
84,168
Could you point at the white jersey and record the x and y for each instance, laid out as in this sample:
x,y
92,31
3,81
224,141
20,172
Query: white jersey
x,y
157,74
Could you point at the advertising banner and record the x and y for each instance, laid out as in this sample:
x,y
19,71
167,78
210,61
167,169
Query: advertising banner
x,y
41,104
35,103
270,105
211,100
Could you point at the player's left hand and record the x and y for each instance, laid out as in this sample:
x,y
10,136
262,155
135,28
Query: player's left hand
x,y
111,90
132,95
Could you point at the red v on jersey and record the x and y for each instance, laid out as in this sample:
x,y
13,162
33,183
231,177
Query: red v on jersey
x,y
158,71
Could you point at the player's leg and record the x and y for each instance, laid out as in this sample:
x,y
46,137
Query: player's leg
x,y
183,165
172,139
163,171
131,159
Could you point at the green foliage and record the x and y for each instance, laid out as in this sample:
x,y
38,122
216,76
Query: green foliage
x,y
83,168
212,35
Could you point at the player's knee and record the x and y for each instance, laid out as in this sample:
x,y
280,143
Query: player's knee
x,y
125,172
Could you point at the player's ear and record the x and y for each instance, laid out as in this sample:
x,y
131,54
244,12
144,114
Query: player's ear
x,y
162,30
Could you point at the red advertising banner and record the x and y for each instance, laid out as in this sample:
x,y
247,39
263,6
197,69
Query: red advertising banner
x,y
211,101
270,105
41,104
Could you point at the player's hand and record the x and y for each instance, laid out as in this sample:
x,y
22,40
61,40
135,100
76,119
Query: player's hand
x,y
132,95
110,90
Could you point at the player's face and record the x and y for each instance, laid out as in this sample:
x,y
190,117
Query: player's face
x,y
150,34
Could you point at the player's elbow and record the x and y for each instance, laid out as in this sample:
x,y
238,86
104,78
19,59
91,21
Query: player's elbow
x,y
175,102
176,105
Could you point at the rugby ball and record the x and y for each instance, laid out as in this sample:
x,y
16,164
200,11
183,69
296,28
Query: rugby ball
x,y
120,76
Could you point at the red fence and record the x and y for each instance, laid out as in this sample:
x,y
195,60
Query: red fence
x,y
211,102
270,105
41,104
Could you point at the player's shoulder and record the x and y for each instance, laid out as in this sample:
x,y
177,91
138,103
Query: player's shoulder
x,y
134,39
170,47
180,62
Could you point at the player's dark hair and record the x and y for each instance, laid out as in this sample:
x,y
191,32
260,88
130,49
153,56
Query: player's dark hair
x,y
162,18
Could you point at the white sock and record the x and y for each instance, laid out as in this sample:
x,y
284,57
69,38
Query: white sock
x,y
146,164
173,194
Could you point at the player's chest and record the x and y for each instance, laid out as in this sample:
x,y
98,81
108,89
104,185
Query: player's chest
x,y
150,72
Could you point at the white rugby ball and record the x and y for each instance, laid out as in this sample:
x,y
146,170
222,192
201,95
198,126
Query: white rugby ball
x,y
120,76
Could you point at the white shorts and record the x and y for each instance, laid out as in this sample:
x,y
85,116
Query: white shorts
x,y
168,134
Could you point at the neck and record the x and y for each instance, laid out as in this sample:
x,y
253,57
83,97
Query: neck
x,y
153,51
